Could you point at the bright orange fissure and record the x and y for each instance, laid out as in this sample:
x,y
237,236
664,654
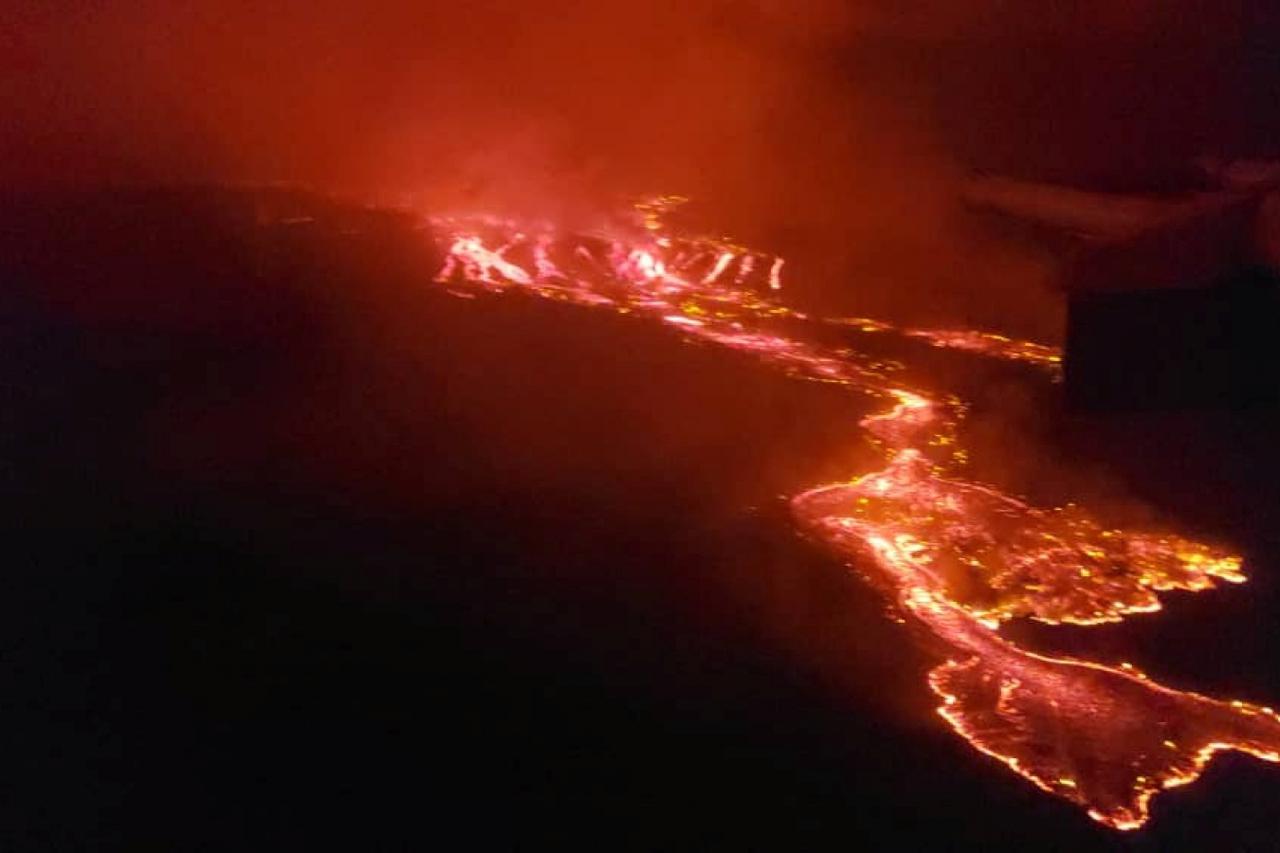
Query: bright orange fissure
x,y
963,558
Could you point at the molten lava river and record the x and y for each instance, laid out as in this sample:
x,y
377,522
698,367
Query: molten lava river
x,y
1106,738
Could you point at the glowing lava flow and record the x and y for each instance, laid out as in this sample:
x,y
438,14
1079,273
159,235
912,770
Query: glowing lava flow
x,y
990,344
1105,738
960,558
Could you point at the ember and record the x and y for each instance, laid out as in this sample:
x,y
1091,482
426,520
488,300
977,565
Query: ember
x,y
962,558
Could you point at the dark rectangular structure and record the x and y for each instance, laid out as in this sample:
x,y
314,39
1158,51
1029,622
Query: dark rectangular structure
x,y
1206,347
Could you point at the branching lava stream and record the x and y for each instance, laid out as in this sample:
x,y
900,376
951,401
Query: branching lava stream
x,y
960,558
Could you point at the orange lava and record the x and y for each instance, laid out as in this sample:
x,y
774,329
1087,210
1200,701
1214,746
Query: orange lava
x,y
961,558
1105,738
992,345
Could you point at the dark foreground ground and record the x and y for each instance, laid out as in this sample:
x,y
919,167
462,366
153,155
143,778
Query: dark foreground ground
x,y
303,554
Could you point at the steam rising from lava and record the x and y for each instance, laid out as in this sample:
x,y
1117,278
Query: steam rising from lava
x,y
541,109
960,558
831,131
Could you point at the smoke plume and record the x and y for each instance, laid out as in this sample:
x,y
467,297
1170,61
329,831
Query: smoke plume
x,y
833,131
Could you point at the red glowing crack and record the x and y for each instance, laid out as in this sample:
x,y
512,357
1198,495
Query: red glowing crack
x,y
961,558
